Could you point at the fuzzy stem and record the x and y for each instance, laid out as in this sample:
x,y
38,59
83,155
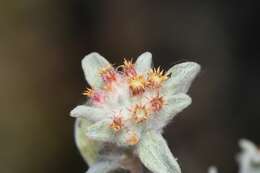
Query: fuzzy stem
x,y
132,164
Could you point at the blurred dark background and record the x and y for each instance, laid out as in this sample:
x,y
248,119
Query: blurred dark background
x,y
43,41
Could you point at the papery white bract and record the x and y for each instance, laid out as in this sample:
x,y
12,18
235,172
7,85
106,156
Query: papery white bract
x,y
128,106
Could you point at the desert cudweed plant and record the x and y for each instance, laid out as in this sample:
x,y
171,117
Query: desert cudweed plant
x,y
248,159
128,106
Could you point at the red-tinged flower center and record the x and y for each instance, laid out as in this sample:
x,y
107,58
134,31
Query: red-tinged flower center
x,y
157,103
128,68
140,113
96,97
155,78
117,123
137,84
108,74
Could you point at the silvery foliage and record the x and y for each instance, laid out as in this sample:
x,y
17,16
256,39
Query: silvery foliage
x,y
105,149
248,159
212,169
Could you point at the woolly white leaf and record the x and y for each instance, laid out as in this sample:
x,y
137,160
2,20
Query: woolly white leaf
x,y
101,131
126,137
143,62
88,148
88,112
103,167
155,154
182,76
247,146
91,65
175,104
249,158
122,138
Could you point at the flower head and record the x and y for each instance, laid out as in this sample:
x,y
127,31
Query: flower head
x,y
140,113
117,123
96,97
156,103
132,138
135,104
129,68
137,84
156,77
107,73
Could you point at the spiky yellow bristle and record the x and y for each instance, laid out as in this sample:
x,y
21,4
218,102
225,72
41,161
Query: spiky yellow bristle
x,y
157,103
96,97
128,63
128,68
155,78
108,74
105,69
137,84
117,123
88,92
140,113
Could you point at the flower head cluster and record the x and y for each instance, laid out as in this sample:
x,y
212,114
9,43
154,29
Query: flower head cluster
x,y
129,103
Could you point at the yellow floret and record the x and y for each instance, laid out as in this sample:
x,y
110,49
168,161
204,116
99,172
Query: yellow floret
x,y
117,124
137,84
140,113
132,139
155,78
